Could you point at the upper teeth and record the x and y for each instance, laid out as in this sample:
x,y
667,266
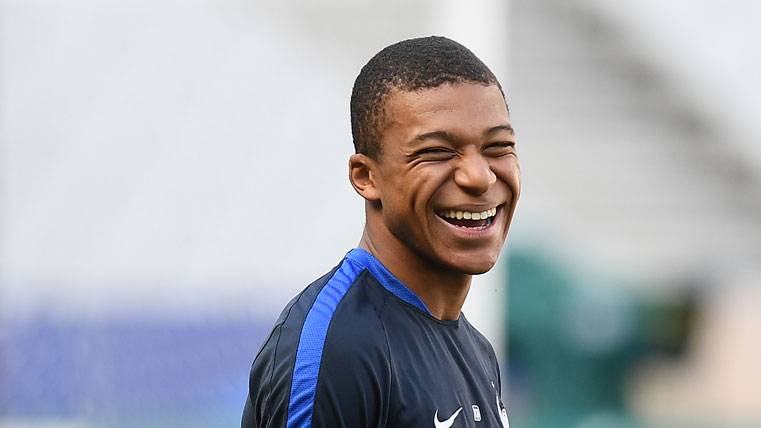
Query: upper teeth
x,y
467,215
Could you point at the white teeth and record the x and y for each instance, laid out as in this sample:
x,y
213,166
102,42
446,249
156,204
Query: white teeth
x,y
467,215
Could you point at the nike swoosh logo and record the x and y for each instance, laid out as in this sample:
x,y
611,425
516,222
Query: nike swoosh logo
x,y
447,423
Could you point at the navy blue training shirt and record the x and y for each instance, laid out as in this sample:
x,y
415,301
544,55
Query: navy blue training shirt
x,y
357,349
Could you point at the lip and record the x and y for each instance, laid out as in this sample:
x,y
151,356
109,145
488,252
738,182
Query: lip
x,y
468,233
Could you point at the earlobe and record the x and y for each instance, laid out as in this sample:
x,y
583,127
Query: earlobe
x,y
362,176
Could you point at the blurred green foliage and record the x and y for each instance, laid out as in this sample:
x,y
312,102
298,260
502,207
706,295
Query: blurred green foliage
x,y
574,338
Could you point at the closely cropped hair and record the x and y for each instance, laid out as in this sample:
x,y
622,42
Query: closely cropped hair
x,y
410,65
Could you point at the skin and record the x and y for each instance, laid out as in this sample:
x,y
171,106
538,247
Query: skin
x,y
446,148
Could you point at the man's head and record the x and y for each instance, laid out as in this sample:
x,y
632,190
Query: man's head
x,y
436,158
409,65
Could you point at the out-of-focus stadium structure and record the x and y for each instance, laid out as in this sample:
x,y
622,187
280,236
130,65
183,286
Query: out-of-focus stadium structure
x,y
643,171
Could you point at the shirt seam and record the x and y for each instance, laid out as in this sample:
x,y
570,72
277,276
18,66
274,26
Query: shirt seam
x,y
391,383
279,328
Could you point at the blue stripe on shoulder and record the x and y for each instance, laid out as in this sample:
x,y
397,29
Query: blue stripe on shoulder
x,y
386,278
311,342
306,370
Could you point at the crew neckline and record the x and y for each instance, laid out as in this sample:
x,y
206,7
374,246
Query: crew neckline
x,y
393,284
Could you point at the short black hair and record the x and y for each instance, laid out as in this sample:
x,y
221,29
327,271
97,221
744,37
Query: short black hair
x,y
409,65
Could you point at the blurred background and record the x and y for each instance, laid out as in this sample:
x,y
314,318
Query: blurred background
x,y
172,172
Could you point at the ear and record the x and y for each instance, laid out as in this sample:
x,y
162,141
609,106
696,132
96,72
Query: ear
x,y
362,175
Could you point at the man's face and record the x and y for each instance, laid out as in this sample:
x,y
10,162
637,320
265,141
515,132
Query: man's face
x,y
448,175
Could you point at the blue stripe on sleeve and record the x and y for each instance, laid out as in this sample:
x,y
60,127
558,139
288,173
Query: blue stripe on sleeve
x,y
309,352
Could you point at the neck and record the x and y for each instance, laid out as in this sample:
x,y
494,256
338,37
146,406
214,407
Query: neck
x,y
442,290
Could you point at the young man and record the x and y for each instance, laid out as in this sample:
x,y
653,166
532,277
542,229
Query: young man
x,y
380,341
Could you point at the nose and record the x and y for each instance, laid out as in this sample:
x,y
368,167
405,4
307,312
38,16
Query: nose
x,y
474,174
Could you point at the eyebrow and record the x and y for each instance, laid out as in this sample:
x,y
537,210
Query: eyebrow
x,y
437,135
451,138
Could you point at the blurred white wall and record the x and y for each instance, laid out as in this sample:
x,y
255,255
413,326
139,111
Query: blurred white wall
x,y
166,152
191,157
709,49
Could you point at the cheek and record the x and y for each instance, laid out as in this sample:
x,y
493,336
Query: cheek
x,y
422,185
509,171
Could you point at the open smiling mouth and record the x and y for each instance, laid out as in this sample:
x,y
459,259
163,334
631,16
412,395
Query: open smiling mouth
x,y
470,220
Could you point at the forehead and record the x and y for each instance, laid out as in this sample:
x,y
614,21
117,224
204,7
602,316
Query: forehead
x,y
464,108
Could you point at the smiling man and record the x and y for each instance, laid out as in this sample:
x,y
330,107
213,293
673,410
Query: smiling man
x,y
380,340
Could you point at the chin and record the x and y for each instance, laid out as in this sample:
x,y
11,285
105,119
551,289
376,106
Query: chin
x,y
477,270
474,264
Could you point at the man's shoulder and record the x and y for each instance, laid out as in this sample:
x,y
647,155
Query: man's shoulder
x,y
482,341
329,331
357,326
344,304
303,301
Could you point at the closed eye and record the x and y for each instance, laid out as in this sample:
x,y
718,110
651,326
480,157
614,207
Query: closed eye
x,y
500,149
434,153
